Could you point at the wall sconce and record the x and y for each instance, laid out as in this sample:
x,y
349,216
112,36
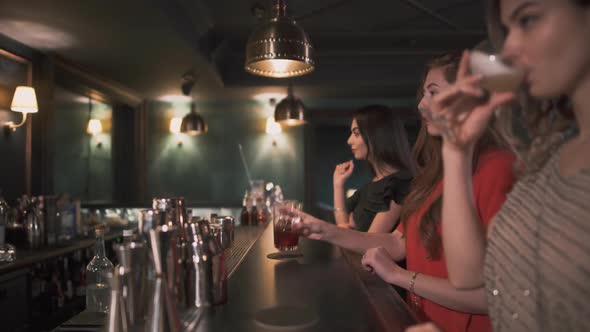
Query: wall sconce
x,y
24,101
94,128
273,129
175,124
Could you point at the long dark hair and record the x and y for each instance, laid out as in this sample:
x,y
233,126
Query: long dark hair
x,y
428,156
386,139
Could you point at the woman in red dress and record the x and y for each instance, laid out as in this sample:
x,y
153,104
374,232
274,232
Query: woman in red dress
x,y
418,239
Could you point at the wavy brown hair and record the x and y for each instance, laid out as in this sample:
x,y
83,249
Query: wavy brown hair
x,y
428,156
548,122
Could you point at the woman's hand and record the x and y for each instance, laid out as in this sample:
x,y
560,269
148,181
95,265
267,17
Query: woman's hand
x,y
463,111
378,261
312,227
342,172
424,327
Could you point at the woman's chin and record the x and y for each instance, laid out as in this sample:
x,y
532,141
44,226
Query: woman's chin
x,y
543,92
357,157
432,131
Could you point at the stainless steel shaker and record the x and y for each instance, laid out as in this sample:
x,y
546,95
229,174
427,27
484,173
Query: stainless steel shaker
x,y
199,266
171,212
211,238
133,280
34,225
225,227
219,265
163,312
117,319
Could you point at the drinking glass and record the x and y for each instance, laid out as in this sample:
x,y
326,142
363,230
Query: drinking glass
x,y
257,188
286,214
497,76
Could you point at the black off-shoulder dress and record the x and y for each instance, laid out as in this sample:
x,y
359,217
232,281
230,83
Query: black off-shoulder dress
x,y
375,197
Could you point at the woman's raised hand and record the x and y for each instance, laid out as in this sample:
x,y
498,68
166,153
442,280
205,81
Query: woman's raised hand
x,y
463,111
342,172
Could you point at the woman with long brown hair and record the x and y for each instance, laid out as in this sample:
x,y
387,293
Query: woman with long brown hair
x,y
418,238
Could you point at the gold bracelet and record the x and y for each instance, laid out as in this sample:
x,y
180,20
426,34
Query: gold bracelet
x,y
413,281
336,209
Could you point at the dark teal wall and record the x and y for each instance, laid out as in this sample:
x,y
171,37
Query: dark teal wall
x,y
207,169
12,157
12,146
81,168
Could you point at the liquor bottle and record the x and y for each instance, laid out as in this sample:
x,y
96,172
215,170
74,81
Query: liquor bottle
x,y
98,291
245,218
254,213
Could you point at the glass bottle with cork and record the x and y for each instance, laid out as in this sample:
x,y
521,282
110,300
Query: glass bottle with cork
x,y
98,291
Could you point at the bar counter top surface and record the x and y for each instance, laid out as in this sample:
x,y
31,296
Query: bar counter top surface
x,y
324,284
324,289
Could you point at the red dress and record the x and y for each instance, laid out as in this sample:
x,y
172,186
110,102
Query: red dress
x,y
492,180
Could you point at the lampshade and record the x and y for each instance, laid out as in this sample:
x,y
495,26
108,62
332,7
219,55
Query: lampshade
x,y
278,47
94,127
24,100
273,128
175,124
290,111
192,123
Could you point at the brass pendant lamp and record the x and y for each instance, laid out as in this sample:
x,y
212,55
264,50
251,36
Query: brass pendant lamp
x,y
278,47
193,123
290,111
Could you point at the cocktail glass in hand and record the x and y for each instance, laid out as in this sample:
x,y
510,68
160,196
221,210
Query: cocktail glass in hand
x,y
497,76
286,214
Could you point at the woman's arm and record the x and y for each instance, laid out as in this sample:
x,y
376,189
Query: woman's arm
x,y
385,221
442,292
423,327
438,290
341,173
469,210
462,233
463,115
316,229
341,215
